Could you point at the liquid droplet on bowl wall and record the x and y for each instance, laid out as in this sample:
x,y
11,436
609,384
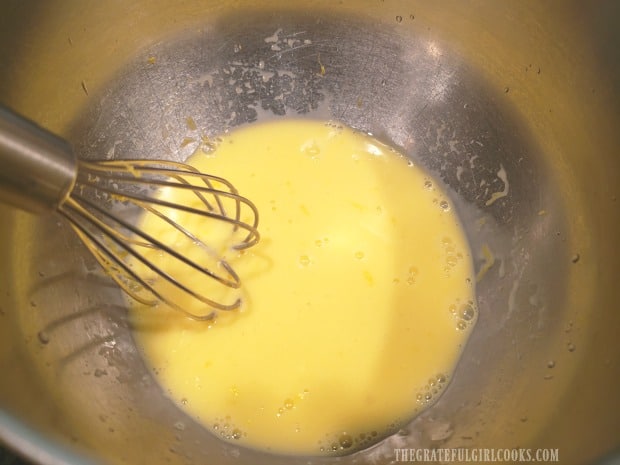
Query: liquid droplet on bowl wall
x,y
501,174
43,337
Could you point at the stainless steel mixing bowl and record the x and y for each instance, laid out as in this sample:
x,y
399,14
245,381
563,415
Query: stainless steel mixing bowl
x,y
514,105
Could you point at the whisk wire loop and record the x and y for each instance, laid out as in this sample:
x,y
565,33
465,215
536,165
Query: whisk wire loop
x,y
250,240
105,208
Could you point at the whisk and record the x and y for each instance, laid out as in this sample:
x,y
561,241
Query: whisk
x,y
107,202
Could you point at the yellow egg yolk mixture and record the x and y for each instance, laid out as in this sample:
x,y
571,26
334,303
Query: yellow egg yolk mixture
x,y
356,302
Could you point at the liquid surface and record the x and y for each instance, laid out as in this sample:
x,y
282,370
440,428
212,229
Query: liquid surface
x,y
356,303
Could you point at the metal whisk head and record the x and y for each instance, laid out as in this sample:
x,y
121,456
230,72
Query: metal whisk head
x,y
161,229
115,206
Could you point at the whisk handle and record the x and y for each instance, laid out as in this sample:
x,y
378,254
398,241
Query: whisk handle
x,y
37,168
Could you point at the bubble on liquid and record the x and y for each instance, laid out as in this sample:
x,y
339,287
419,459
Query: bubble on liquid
x,y
399,19
179,426
428,184
345,441
444,205
452,256
311,149
229,432
571,347
432,388
289,404
359,254
551,364
410,163
304,260
333,124
461,325
467,312
412,274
